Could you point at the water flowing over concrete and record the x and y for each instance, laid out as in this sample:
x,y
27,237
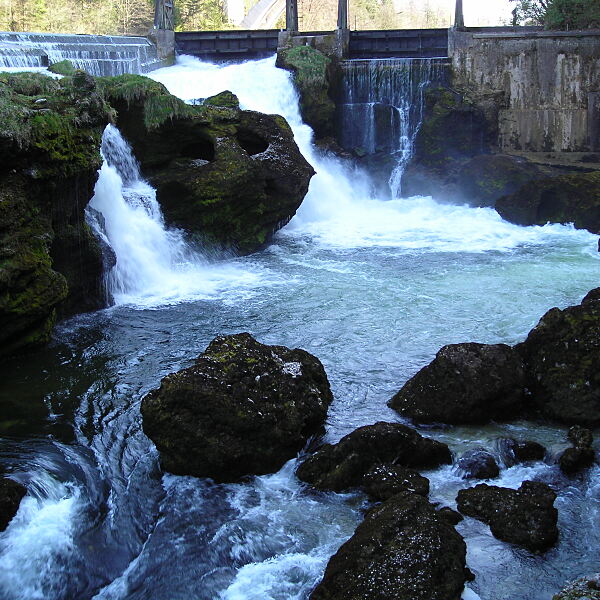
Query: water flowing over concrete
x,y
99,55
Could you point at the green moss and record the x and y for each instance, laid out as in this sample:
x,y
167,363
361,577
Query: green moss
x,y
64,67
225,99
158,104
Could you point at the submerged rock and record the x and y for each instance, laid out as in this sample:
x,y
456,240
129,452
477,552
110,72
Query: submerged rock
x,y
525,517
581,455
573,198
478,464
585,588
516,451
243,408
562,359
11,494
403,550
228,176
465,383
344,465
50,133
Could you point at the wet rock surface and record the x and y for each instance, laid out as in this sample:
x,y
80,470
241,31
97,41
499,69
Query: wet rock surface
x,y
402,550
562,358
11,494
585,588
525,517
344,465
581,455
573,198
517,451
478,464
384,481
465,383
243,408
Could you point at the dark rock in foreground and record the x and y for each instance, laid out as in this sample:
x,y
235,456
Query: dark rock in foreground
x,y
581,455
573,198
230,177
11,494
344,465
585,588
562,358
465,383
243,408
403,550
525,516
478,464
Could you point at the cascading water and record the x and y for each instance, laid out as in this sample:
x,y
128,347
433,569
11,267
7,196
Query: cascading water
x,y
372,287
99,55
382,106
153,262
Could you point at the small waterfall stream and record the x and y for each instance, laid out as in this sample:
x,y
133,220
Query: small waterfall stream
x,y
382,107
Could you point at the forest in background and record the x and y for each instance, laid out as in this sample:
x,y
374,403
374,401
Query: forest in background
x,y
135,17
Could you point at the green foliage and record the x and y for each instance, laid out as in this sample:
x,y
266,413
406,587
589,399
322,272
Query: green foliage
x,y
191,15
64,67
573,14
557,14
309,65
158,104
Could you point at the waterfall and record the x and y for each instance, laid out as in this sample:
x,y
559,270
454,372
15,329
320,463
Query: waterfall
x,y
382,107
99,55
154,264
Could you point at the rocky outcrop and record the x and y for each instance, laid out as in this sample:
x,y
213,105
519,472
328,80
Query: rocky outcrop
x,y
312,72
344,465
243,408
581,455
465,383
585,588
562,359
525,517
573,198
478,464
230,177
403,550
50,134
11,494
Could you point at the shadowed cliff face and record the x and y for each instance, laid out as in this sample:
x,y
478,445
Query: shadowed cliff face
x,y
49,153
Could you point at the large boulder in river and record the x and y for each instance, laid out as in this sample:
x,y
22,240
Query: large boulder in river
x,y
525,517
478,464
573,198
465,383
243,408
345,464
50,262
581,454
562,358
403,550
11,494
230,177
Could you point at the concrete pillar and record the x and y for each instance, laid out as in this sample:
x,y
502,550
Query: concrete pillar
x,y
342,14
291,15
459,20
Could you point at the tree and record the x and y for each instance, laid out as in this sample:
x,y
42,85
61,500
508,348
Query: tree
x,y
557,14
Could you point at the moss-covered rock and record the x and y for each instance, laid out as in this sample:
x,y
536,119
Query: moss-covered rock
x,y
225,99
573,198
243,408
312,74
562,361
231,177
403,550
63,67
50,134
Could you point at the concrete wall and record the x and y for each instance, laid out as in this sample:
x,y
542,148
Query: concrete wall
x,y
549,82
